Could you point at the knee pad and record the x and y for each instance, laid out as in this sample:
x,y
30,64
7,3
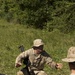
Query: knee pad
x,y
20,73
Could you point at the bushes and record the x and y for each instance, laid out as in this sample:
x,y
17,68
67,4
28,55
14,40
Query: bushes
x,y
33,13
71,18
63,17
43,14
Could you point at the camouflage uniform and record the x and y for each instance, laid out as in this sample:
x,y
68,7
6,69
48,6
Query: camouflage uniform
x,y
37,61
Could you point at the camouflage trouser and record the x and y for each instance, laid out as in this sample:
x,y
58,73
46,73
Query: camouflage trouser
x,y
24,72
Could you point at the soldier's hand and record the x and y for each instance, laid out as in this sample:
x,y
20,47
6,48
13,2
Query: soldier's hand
x,y
59,65
18,64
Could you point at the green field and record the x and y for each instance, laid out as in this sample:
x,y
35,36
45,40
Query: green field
x,y
14,35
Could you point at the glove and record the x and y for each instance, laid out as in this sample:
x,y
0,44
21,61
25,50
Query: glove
x,y
18,64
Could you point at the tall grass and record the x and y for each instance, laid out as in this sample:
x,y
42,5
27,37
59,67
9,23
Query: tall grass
x,y
13,35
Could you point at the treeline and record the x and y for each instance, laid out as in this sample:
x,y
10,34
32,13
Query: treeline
x,y
43,14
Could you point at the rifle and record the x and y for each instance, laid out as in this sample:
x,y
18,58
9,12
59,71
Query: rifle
x,y
26,62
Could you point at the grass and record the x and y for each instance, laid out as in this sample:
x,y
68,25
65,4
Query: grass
x,y
13,35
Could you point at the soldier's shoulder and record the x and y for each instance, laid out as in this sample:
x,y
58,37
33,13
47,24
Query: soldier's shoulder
x,y
29,50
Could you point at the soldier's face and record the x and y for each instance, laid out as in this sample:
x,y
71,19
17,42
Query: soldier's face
x,y
72,65
38,49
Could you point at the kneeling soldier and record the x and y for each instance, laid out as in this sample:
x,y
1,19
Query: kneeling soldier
x,y
37,58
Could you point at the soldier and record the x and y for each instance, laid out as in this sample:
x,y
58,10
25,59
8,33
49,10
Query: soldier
x,y
38,57
71,60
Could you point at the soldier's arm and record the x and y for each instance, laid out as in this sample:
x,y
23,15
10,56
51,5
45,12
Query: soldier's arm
x,y
20,57
53,64
50,62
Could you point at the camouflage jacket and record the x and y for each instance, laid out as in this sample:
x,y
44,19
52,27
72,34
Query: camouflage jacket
x,y
37,61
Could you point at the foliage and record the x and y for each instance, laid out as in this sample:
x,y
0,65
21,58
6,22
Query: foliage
x,y
71,18
63,17
43,14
